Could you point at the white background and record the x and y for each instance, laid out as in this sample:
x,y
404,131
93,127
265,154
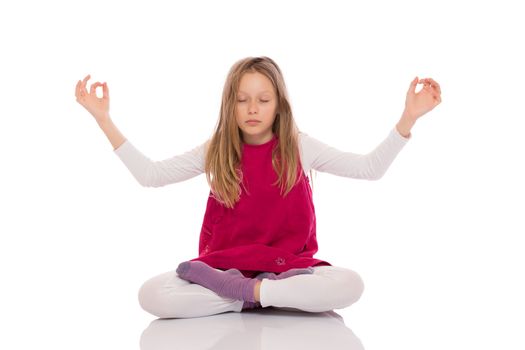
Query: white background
x,y
437,240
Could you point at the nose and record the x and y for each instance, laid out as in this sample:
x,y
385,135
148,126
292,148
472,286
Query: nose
x,y
252,108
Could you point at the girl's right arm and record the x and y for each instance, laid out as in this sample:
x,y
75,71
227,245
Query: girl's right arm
x,y
147,172
164,172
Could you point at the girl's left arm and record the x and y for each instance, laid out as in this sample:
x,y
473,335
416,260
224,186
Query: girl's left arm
x,y
322,157
373,165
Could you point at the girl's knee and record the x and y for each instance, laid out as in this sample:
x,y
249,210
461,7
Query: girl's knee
x,y
153,298
149,298
351,287
357,285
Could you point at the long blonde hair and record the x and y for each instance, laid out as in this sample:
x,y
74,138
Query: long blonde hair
x,y
223,157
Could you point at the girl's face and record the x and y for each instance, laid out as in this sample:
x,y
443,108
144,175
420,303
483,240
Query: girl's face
x,y
256,108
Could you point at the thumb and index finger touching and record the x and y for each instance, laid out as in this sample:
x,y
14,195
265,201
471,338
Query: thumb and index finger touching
x,y
428,82
81,88
105,90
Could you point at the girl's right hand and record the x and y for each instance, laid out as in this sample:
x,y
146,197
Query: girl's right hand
x,y
98,107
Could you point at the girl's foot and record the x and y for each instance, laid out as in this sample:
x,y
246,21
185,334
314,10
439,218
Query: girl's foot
x,y
225,284
247,304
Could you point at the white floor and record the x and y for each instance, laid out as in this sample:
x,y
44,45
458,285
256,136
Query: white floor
x,y
263,329
107,316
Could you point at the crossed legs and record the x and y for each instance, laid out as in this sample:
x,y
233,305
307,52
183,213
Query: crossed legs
x,y
327,288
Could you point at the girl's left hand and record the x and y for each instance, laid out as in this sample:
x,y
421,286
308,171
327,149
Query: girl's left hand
x,y
425,100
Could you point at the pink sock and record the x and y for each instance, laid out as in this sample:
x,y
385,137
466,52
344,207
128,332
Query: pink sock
x,y
225,284
247,304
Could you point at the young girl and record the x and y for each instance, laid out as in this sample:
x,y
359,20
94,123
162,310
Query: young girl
x,y
258,236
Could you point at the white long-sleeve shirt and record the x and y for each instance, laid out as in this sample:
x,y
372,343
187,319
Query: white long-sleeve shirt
x,y
314,154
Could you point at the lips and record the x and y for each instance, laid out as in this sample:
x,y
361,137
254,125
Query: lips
x,y
253,121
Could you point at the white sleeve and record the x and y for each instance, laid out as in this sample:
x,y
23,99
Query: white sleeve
x,y
371,166
160,173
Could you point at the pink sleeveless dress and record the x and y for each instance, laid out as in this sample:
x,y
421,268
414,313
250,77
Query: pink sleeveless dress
x,y
264,232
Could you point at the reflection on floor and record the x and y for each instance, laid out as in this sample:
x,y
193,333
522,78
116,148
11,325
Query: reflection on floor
x,y
269,328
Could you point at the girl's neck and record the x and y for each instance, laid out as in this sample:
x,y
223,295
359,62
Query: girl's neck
x,y
258,144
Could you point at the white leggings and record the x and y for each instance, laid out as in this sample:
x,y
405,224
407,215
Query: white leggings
x,y
329,287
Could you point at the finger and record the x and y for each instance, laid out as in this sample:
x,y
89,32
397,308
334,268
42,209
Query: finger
x,y
435,96
435,84
434,91
77,89
429,82
105,90
85,81
81,91
94,88
425,82
412,87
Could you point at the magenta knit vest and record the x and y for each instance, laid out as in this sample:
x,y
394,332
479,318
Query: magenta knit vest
x,y
264,232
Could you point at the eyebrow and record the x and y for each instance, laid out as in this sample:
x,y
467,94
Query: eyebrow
x,y
262,92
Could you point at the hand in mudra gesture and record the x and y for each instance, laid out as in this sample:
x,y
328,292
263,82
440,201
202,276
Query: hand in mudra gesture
x,y
98,107
425,100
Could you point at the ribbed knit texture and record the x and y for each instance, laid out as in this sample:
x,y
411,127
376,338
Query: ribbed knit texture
x,y
225,284
264,232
